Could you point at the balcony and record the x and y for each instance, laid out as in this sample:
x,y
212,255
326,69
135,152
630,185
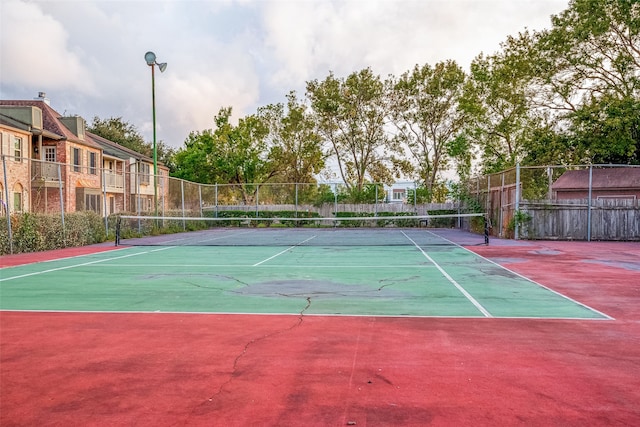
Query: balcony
x,y
45,174
114,182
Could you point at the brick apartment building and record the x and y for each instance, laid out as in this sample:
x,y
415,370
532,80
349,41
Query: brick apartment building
x,y
51,163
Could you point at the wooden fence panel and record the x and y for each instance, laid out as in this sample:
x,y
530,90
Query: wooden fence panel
x,y
569,220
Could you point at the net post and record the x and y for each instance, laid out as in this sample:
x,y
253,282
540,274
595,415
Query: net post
x,y
118,225
486,229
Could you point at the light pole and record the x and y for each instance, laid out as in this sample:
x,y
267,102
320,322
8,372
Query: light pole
x,y
150,57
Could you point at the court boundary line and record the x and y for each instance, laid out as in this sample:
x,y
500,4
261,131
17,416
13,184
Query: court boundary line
x,y
63,258
296,314
527,278
67,267
464,292
604,315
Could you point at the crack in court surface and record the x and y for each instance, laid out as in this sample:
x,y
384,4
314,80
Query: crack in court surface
x,y
246,347
318,289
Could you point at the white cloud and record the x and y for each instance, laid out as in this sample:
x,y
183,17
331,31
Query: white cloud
x,y
310,38
36,50
88,55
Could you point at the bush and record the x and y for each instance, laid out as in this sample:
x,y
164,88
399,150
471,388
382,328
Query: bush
x,y
33,232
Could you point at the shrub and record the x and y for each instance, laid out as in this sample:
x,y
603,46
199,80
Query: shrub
x,y
33,232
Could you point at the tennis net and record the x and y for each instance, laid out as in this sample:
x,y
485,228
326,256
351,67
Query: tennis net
x,y
300,231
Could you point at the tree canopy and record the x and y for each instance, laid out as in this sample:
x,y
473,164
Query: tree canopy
x,y
426,111
569,94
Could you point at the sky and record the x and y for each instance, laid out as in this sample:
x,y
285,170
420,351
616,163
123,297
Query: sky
x,y
88,55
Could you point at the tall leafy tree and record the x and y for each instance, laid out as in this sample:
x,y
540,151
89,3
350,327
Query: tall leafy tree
x,y
228,155
589,75
498,99
350,114
295,148
425,108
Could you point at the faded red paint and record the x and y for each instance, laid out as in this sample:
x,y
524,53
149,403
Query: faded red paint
x,y
233,370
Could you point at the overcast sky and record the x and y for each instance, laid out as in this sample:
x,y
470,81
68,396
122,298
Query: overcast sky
x,y
88,56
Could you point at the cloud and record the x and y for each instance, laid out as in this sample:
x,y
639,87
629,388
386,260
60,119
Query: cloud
x,y
36,51
310,38
89,55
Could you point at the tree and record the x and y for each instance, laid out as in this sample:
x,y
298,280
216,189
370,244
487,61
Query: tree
x,y
589,75
295,148
426,112
498,100
228,155
350,114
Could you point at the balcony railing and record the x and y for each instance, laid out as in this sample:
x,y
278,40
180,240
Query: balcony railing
x,y
44,171
113,181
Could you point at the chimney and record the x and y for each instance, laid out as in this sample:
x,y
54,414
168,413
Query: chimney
x,y
42,96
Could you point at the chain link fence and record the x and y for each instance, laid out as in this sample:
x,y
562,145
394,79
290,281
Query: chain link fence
x,y
591,202
60,189
594,202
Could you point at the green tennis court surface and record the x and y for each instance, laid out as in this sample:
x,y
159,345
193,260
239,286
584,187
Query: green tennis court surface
x,y
408,272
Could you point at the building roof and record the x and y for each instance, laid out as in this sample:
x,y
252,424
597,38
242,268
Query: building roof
x,y
602,178
51,121
116,150
16,124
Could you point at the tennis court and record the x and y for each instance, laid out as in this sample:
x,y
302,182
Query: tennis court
x,y
322,326
356,272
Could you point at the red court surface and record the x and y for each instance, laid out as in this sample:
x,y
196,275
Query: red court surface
x,y
257,370
21,259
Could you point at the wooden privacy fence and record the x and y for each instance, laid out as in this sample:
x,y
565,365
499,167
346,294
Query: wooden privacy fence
x,y
581,202
602,219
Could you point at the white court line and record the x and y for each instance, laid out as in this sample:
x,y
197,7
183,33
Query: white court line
x,y
63,258
225,236
241,313
525,278
450,279
282,252
83,264
285,266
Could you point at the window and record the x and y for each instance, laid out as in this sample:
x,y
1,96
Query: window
x,y
77,159
88,199
92,163
49,154
5,143
17,201
398,194
17,148
144,173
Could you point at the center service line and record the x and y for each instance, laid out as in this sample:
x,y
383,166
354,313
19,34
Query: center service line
x,y
281,252
451,279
